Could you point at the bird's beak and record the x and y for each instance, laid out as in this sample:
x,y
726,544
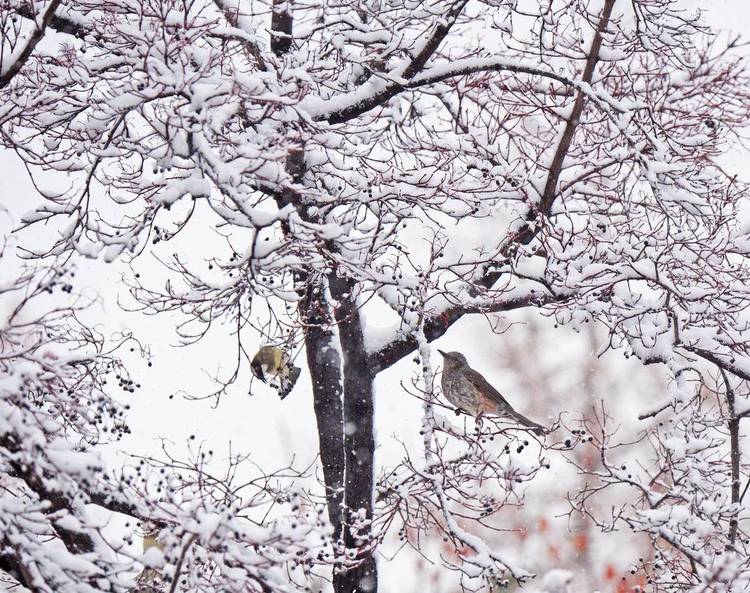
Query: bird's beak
x,y
258,372
441,352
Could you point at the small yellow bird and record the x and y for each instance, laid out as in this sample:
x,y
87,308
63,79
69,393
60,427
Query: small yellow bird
x,y
149,577
150,541
272,363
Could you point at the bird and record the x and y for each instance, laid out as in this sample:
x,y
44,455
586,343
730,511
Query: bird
x,y
469,391
150,540
272,363
150,578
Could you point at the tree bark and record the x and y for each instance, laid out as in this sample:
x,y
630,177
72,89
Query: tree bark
x,y
323,357
359,441
734,455
281,27
15,66
325,366
558,161
324,363
734,437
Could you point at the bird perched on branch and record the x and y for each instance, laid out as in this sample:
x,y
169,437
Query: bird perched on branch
x,y
273,365
150,579
469,391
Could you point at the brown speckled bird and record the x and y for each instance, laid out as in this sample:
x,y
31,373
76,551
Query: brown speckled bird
x,y
469,391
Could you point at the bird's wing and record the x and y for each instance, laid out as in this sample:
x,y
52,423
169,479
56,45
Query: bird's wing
x,y
481,383
484,387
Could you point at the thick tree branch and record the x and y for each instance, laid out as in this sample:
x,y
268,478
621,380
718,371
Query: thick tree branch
x,y
725,362
550,188
57,22
361,104
442,29
468,66
58,501
734,452
31,43
10,564
232,16
78,542
359,439
316,313
379,92
436,326
324,363
282,27
110,503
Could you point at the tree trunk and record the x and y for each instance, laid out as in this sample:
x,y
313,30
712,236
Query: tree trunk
x,y
325,366
734,443
359,441
345,436
324,363
323,357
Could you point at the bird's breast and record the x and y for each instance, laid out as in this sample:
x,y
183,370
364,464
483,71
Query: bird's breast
x,y
461,393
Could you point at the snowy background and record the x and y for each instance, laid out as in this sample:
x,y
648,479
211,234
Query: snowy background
x,y
541,368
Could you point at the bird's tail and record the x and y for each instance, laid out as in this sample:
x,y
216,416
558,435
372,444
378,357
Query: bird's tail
x,y
530,424
294,375
287,383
